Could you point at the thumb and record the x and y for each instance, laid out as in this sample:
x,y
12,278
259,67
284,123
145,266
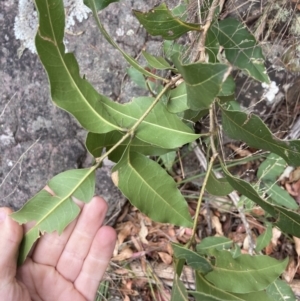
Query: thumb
x,y
11,234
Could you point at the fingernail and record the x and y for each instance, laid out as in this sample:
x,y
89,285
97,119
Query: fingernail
x,y
3,215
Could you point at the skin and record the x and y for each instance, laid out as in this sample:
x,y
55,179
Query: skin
x,y
68,267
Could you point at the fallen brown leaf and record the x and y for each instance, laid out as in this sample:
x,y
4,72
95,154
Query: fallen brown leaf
x,y
126,253
165,257
297,244
290,271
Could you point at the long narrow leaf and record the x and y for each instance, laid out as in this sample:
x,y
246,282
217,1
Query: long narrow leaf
x,y
68,90
252,130
148,187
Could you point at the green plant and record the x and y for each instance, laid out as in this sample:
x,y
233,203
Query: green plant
x,y
201,84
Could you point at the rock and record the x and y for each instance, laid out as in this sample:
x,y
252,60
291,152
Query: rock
x,y
37,139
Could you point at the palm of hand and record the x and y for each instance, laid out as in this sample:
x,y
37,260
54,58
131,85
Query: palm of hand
x,y
61,268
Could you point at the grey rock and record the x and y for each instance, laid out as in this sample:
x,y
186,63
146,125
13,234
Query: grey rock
x,y
37,139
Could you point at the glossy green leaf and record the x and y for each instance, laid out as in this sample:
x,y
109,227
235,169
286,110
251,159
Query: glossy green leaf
x,y
55,212
178,99
279,196
252,130
272,167
100,4
219,187
159,21
203,81
179,292
156,62
251,273
149,188
287,220
95,144
204,286
208,244
68,90
264,239
192,259
160,127
241,48
280,291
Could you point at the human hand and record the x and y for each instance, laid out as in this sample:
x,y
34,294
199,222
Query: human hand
x,y
60,268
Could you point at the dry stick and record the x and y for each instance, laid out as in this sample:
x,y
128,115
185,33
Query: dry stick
x,y
201,45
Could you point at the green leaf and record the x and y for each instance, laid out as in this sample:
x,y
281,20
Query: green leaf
x,y
55,212
212,45
149,188
251,273
272,167
228,87
170,48
180,11
159,21
279,196
252,130
137,77
204,286
95,144
208,244
179,292
219,187
288,221
203,81
241,48
264,239
168,160
68,90
160,127
200,296
100,4
235,251
156,62
193,259
178,99
280,291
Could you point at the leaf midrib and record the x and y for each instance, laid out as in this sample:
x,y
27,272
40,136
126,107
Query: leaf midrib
x,y
261,139
55,43
145,183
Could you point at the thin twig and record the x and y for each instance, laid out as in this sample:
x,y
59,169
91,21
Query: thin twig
x,y
131,131
209,168
212,128
201,45
233,196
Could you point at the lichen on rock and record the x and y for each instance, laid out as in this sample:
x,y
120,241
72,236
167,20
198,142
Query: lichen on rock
x,y
26,22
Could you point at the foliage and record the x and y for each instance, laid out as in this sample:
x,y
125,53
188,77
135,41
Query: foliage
x,y
158,126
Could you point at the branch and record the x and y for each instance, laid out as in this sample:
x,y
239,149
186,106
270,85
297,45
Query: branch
x,y
201,45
